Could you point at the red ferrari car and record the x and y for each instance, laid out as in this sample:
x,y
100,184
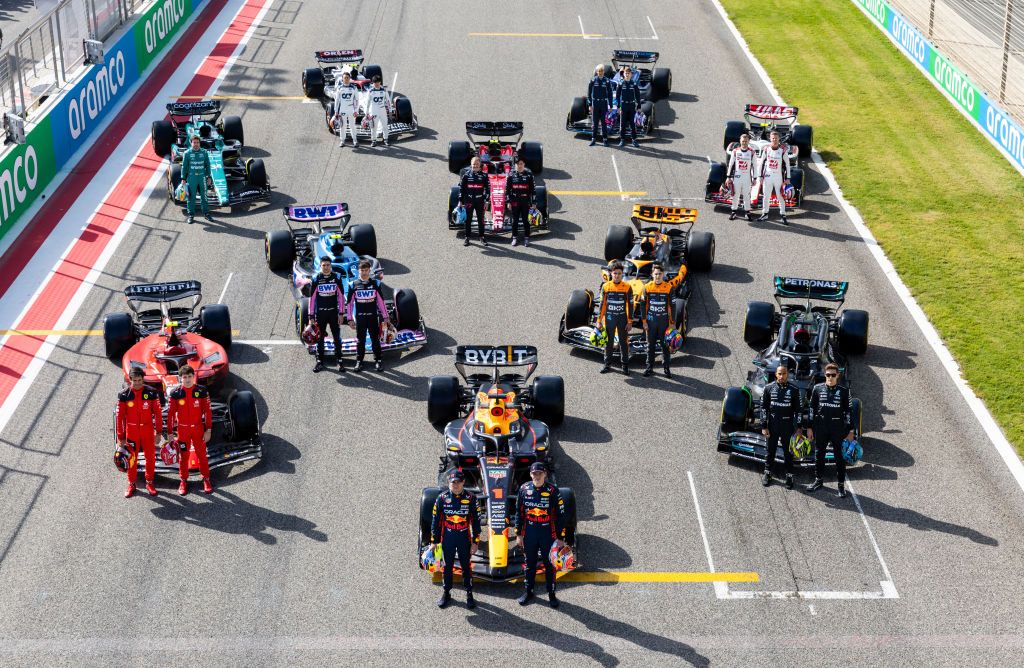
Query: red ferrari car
x,y
162,334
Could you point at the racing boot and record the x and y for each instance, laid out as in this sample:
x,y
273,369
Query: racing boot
x,y
732,216
648,372
183,488
842,491
445,599
207,486
525,598
789,481
763,218
668,372
319,367
625,369
814,486
465,241
634,144
766,479
785,221
129,491
470,601
483,240
358,368
526,242
191,219
605,142
606,368
378,366
592,142
552,599
150,489
622,142
515,241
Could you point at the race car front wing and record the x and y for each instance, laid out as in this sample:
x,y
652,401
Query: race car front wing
x,y
580,338
405,339
753,446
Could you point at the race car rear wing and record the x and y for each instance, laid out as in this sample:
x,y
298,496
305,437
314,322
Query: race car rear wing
x,y
663,215
496,357
342,56
627,57
494,128
163,292
771,112
808,288
308,213
199,107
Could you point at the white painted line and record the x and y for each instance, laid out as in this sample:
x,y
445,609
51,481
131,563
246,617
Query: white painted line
x,y
270,342
721,588
653,31
981,412
887,585
220,300
583,33
618,179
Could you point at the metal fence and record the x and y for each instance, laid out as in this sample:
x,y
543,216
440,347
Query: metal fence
x,y
49,54
984,38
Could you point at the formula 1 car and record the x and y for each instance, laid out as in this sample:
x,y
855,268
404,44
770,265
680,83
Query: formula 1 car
x,y
759,121
234,180
498,154
162,336
671,241
805,335
319,82
498,427
655,84
300,249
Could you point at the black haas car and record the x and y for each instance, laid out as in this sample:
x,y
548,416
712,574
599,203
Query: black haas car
x,y
496,426
805,336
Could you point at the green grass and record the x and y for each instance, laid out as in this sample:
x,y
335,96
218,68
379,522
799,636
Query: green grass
x,y
941,200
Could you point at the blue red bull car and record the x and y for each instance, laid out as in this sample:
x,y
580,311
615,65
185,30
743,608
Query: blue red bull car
x,y
324,230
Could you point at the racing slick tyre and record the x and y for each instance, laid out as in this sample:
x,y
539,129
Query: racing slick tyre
x,y
364,239
403,110
313,82
245,421
700,250
533,153
857,418
549,399
579,110
459,155
579,310
118,334
370,71
735,408
803,139
853,332
279,248
173,179
618,241
407,309
163,137
453,201
443,398
427,501
758,325
256,173
231,129
215,324
569,508
301,315
733,130
716,177
540,200
796,179
680,315
648,111
661,83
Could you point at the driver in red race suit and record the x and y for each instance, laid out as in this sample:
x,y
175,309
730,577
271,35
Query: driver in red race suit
x,y
138,420
367,310
326,296
539,518
190,421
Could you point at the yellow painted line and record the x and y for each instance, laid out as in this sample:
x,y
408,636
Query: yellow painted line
x,y
534,34
632,576
62,332
238,97
601,193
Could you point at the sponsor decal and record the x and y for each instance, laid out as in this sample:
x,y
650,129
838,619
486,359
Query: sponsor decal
x,y
508,355
876,8
497,474
98,90
1002,128
156,28
366,294
910,39
250,193
954,82
130,404
810,283
318,211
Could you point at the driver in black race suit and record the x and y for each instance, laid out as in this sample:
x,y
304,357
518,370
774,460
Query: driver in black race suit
x,y
475,196
831,422
519,187
366,309
326,296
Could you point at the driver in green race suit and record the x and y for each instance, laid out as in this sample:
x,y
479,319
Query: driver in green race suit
x,y
195,169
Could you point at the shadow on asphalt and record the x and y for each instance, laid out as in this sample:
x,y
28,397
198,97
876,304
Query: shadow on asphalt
x,y
225,512
493,619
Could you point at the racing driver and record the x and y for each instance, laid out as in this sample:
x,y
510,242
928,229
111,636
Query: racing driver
x,y
456,526
366,309
539,513
190,421
616,316
657,315
137,421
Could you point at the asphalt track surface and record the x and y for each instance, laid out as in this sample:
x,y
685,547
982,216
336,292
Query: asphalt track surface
x,y
308,557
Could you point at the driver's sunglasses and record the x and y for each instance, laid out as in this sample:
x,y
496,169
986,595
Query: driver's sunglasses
x,y
831,375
